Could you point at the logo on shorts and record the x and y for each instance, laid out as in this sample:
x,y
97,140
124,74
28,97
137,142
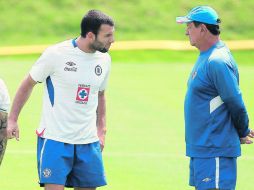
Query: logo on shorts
x,y
207,179
82,94
46,172
98,70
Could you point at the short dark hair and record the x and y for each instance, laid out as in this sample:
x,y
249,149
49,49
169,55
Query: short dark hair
x,y
214,29
93,20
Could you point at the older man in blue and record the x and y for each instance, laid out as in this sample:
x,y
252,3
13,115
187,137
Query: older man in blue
x,y
216,120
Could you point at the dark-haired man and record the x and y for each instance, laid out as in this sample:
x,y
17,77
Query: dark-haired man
x,y
216,120
4,106
72,130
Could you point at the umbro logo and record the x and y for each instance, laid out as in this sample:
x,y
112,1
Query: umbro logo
x,y
207,179
70,66
70,63
194,74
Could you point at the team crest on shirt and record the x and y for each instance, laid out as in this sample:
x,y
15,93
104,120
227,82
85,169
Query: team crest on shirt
x,y
46,172
98,70
82,94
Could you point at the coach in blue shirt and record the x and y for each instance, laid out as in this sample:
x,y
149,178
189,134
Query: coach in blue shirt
x,y
216,120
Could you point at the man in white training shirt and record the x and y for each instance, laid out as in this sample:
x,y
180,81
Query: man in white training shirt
x,y
4,107
72,130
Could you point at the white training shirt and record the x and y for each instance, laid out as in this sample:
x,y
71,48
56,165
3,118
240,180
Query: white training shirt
x,y
4,97
72,80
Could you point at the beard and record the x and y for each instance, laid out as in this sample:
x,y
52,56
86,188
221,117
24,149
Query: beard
x,y
98,46
102,50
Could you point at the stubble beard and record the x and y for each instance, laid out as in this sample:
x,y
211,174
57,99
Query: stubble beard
x,y
98,46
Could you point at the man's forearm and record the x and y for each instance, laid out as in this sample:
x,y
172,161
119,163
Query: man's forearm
x,y
239,115
101,115
21,97
3,135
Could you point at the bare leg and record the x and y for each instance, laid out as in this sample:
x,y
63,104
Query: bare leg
x,y
53,187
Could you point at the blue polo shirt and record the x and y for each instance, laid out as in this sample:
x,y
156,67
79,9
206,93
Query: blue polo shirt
x,y
215,115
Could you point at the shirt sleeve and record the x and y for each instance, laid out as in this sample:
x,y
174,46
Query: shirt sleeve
x,y
104,83
225,78
43,67
4,97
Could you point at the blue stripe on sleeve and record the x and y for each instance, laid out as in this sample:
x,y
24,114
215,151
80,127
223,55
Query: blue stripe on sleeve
x,y
51,92
74,43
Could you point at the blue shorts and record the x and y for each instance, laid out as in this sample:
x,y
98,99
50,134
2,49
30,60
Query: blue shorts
x,y
70,165
213,173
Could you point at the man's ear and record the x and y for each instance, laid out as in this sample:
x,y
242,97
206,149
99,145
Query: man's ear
x,y
203,28
90,36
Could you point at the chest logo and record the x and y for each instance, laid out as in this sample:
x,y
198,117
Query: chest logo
x,y
194,74
70,66
82,94
98,70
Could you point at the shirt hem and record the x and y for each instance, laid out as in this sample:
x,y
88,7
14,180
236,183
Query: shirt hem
x,y
206,152
86,141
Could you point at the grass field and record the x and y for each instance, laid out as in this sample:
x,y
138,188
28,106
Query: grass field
x,y
42,22
145,140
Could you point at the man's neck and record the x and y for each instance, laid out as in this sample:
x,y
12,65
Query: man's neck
x,y
83,45
208,42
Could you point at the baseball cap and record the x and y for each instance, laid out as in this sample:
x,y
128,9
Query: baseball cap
x,y
204,14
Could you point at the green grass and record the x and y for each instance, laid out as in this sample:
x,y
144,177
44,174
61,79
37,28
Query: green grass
x,y
145,140
151,56
43,22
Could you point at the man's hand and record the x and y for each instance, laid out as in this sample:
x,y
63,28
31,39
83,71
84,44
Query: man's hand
x,y
20,99
248,138
102,142
12,130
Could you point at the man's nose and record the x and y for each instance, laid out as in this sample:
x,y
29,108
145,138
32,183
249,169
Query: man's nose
x,y
112,40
